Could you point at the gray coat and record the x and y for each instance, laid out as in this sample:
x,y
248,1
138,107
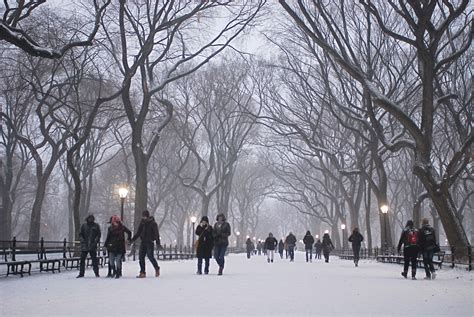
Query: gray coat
x,y
221,234
89,236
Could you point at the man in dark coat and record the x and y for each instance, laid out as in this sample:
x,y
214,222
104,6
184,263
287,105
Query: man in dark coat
x,y
89,235
115,244
148,233
356,238
327,246
281,248
308,241
205,243
221,235
270,245
291,243
428,246
259,247
318,246
249,247
409,240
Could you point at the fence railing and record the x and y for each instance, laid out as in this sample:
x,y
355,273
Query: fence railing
x,y
451,254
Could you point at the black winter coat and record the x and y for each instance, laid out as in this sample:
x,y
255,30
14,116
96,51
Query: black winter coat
x,y
308,241
89,236
206,242
427,238
356,238
270,243
318,246
148,231
290,240
327,244
250,246
115,241
221,234
281,247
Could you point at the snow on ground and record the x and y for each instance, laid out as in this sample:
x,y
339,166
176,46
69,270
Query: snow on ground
x,y
248,288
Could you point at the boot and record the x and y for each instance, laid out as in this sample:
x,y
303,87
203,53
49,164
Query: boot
x,y
80,275
157,272
141,275
413,275
221,269
404,274
97,274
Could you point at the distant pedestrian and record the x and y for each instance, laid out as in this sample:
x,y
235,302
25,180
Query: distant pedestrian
x,y
249,247
205,243
308,241
221,235
148,234
281,248
291,243
429,246
356,238
89,236
327,246
270,245
115,244
409,240
318,246
259,247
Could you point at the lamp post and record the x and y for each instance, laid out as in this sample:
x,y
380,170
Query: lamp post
x,y
238,239
343,228
317,236
384,210
193,221
123,192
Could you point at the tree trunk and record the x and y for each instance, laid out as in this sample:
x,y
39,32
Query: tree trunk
x,y
141,185
205,201
35,220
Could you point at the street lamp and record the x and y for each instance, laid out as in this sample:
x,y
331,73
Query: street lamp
x,y
238,239
384,210
123,192
326,231
343,227
193,221
317,236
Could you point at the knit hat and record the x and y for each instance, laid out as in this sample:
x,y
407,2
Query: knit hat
x,y
116,219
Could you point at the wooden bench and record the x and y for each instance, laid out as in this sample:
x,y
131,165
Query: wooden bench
x,y
73,262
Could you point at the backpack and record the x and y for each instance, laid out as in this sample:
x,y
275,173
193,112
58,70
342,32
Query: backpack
x,y
412,237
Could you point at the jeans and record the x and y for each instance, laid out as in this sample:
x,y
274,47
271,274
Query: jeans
x,y
206,265
310,252
356,250
115,260
270,254
95,262
428,262
248,254
291,252
409,256
219,254
147,248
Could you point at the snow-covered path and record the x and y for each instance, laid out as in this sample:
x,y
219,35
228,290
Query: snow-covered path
x,y
248,288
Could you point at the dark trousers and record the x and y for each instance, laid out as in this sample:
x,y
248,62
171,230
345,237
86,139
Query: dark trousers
x,y
356,250
409,256
219,254
281,253
95,262
291,252
147,249
310,252
428,262
206,265
326,255
318,254
248,254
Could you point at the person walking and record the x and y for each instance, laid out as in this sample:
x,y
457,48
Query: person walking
x,y
318,246
115,244
428,246
148,234
327,246
409,240
205,243
356,239
259,247
308,241
291,243
281,248
89,236
249,247
270,245
221,235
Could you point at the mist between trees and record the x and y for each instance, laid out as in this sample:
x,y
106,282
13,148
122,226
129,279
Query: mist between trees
x,y
288,116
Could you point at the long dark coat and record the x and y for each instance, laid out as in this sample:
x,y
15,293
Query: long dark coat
x,y
89,236
205,242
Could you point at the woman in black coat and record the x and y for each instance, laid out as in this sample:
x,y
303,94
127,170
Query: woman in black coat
x,y
356,239
205,243
327,246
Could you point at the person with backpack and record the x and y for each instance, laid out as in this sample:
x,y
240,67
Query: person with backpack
x,y
205,243
221,235
270,245
327,246
115,244
308,241
291,243
148,233
281,248
428,246
249,247
89,236
356,239
409,240
318,246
